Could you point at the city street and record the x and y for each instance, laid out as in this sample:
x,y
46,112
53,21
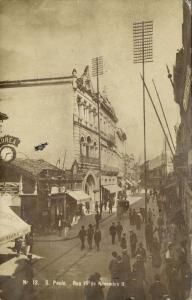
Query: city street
x,y
63,261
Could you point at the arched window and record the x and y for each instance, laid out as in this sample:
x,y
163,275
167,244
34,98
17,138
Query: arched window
x,y
88,145
82,146
95,149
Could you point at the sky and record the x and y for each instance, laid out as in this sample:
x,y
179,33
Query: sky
x,y
43,38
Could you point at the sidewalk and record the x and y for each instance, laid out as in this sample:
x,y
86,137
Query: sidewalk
x,y
73,232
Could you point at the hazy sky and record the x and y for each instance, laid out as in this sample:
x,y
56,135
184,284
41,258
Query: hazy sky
x,y
42,38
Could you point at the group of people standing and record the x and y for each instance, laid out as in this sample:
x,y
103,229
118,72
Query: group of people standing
x,y
90,234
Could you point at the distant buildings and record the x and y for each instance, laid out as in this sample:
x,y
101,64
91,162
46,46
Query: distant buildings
x,y
156,170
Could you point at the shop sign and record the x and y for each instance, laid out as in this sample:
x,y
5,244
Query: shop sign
x,y
9,140
7,151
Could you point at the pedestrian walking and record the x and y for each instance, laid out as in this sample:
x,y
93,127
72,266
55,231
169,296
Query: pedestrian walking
x,y
174,284
138,221
97,218
126,266
169,259
156,253
60,225
131,217
133,243
157,290
119,229
94,289
29,243
87,207
142,252
116,292
90,233
119,268
134,290
113,266
134,215
110,206
105,204
139,269
150,215
112,232
82,235
123,242
96,206
97,238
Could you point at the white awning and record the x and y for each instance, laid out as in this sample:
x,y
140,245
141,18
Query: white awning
x,y
80,196
112,188
11,225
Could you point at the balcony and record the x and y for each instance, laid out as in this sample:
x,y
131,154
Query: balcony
x,y
89,160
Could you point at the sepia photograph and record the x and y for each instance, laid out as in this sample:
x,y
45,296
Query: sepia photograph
x,y
95,150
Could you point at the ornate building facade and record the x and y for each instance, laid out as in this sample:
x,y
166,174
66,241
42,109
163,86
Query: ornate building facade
x,y
86,139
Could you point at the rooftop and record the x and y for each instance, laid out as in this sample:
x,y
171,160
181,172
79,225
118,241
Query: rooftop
x,y
33,166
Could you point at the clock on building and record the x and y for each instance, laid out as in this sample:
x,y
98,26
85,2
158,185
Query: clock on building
x,y
7,153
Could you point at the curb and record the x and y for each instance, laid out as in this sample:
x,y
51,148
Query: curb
x,y
69,238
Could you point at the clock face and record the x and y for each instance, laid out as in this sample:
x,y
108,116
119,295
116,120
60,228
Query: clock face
x,y
7,153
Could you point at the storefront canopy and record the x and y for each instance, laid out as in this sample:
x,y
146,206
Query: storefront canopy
x,y
11,225
80,196
113,188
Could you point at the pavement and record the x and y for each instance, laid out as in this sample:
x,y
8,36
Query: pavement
x,y
74,230
86,220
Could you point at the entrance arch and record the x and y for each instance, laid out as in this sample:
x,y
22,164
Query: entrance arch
x,y
90,187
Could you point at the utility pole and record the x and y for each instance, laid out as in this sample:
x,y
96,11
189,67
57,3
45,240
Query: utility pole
x,y
97,70
143,53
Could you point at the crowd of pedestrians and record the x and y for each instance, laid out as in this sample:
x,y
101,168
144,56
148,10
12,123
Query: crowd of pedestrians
x,y
152,243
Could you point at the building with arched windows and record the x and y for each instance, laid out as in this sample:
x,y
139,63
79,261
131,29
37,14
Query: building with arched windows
x,y
86,139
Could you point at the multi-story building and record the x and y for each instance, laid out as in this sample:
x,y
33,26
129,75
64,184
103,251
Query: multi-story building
x,y
182,95
86,139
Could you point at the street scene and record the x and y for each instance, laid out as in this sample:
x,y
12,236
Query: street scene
x,y
95,150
